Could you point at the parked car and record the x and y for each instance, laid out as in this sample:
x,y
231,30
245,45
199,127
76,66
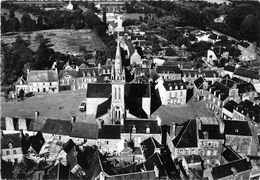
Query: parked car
x,y
82,106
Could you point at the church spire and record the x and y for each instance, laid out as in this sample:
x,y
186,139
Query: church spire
x,y
118,60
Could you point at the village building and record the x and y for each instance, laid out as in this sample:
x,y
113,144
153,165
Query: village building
x,y
169,73
200,89
238,135
172,92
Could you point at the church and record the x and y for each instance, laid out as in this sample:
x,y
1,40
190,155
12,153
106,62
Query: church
x,y
114,102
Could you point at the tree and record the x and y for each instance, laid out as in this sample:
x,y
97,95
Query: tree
x,y
249,28
21,94
104,15
27,24
156,48
40,23
182,40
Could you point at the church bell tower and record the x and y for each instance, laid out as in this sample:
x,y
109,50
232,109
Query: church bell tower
x,y
118,89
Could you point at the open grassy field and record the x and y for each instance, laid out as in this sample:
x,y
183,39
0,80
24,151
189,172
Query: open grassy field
x,y
61,40
59,105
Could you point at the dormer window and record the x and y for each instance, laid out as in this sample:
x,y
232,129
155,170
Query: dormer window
x,y
108,71
133,129
170,87
176,87
104,71
181,86
147,129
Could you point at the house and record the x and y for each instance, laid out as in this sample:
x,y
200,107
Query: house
x,y
172,92
238,135
200,89
248,51
247,75
247,110
230,155
135,58
211,56
220,93
239,169
11,147
46,81
169,73
227,110
228,70
190,75
21,84
197,137
150,146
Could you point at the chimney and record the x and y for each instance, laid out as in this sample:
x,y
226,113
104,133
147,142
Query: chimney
x,y
100,123
221,127
73,120
156,170
206,135
21,133
133,129
147,130
36,114
77,68
173,129
159,121
28,71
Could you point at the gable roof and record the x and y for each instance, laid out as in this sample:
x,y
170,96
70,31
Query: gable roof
x,y
229,68
225,170
230,105
84,130
230,155
56,126
175,83
141,125
187,136
247,73
98,90
14,138
110,132
43,76
220,88
149,146
199,82
238,128
102,108
168,69
213,131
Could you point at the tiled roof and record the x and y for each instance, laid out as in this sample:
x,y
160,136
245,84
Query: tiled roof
x,y
14,138
168,69
173,84
55,126
187,136
247,73
238,128
230,105
225,170
103,107
149,146
100,90
110,132
141,126
84,130
43,76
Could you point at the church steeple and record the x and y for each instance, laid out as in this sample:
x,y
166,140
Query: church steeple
x,y
118,70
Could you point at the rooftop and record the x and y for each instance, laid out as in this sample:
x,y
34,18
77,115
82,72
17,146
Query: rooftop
x,y
43,76
239,128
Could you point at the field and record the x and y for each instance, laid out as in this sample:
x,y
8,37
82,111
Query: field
x,y
61,40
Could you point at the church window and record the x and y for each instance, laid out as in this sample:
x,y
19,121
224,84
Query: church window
x,y
119,93
118,114
115,94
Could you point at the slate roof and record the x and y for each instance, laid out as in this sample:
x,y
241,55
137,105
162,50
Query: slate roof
x,y
110,132
225,170
199,82
244,88
230,155
187,136
149,146
133,90
135,175
73,73
141,126
178,83
220,89
248,108
55,126
14,138
213,131
103,108
84,130
230,105
229,68
43,76
98,90
168,69
238,128
247,73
